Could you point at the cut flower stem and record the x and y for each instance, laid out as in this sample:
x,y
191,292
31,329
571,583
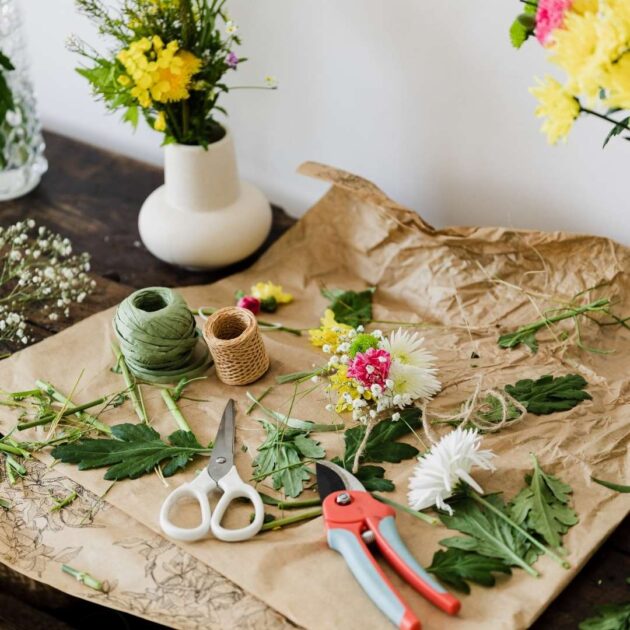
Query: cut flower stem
x,y
290,520
132,386
431,520
85,578
175,412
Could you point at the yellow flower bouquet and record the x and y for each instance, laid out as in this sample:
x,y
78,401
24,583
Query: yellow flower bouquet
x,y
590,41
168,64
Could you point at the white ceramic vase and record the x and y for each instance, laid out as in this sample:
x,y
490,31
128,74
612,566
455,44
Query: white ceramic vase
x,y
204,216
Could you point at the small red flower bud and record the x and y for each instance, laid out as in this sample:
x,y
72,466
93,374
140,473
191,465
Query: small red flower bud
x,y
250,303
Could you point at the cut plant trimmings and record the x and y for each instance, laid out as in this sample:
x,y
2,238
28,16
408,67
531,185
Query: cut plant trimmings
x,y
169,63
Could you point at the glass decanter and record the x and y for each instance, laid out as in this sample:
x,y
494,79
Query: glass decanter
x,y
22,161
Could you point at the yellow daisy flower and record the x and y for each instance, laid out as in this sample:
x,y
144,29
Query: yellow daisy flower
x,y
557,106
268,290
329,332
160,122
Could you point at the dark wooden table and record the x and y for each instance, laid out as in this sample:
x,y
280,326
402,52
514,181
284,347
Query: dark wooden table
x,y
93,197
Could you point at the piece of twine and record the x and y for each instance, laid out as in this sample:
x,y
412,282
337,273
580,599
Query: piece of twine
x,y
239,354
473,412
158,336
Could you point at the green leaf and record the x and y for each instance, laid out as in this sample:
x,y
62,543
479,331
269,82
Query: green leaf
x,y
135,450
382,445
373,478
131,115
309,447
609,617
455,566
350,307
6,505
522,335
519,32
5,62
488,534
621,126
549,394
611,485
543,506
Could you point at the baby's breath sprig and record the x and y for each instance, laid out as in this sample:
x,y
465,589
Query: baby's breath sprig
x,y
38,270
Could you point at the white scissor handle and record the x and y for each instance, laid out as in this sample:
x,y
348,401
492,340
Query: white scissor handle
x,y
197,490
234,488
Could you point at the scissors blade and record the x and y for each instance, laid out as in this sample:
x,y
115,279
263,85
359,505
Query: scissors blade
x,y
331,478
222,458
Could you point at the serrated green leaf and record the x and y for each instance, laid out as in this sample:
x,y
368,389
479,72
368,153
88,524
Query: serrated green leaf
x,y
135,450
549,394
373,479
609,617
382,445
488,534
455,566
353,308
543,506
309,447
611,485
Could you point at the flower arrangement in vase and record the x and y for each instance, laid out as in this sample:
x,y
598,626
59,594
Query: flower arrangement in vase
x,y
590,41
169,66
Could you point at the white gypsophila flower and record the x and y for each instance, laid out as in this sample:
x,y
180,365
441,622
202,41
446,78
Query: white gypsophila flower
x,y
412,383
408,348
447,463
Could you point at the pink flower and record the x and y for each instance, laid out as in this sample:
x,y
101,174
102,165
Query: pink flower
x,y
250,303
370,367
549,17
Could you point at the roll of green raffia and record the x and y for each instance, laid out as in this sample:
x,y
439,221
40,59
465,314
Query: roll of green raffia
x,y
158,336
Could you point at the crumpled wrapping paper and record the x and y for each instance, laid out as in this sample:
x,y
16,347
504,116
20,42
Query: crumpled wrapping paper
x,y
465,286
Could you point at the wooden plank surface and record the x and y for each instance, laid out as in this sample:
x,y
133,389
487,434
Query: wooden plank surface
x,y
93,197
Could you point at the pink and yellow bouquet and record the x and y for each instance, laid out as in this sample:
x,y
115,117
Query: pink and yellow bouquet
x,y
589,40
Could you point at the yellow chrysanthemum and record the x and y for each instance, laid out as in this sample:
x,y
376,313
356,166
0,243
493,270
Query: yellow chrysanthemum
x,y
342,384
158,73
616,82
329,332
160,122
268,290
557,106
575,48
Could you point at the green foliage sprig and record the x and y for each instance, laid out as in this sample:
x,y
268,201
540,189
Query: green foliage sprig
x,y
6,95
353,308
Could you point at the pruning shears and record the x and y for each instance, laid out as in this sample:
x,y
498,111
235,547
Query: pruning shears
x,y
354,519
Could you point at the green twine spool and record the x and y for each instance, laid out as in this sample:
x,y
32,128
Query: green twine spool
x,y
159,338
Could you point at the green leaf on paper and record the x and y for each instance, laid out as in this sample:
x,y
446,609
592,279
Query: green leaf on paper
x,y
382,445
353,308
543,506
135,450
549,394
373,479
455,567
611,485
487,533
609,617
281,457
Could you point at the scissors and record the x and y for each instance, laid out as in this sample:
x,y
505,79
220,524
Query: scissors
x,y
220,474
354,519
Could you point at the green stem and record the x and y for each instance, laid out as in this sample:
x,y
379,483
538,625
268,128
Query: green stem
x,y
301,376
431,520
62,503
290,520
49,417
85,578
256,401
289,505
277,470
612,121
175,412
132,386
14,450
28,393
502,515
54,393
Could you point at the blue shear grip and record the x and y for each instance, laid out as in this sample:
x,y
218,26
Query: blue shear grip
x,y
388,529
367,573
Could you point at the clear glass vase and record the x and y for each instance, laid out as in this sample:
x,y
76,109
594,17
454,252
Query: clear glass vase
x,y
22,161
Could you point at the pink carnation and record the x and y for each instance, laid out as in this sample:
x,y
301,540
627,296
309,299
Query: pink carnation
x,y
549,17
370,367
249,302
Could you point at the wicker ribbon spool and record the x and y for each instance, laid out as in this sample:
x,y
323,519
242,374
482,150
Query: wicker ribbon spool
x,y
239,354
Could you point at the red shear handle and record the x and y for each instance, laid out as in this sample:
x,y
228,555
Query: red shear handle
x,y
397,554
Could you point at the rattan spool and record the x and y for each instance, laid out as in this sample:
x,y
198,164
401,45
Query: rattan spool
x,y
239,354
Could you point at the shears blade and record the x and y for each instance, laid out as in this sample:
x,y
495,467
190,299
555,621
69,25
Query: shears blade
x,y
222,458
332,478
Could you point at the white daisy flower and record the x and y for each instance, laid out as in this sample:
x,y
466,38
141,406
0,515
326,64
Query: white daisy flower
x,y
450,460
408,348
412,383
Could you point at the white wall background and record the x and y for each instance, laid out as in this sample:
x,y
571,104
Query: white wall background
x,y
424,97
